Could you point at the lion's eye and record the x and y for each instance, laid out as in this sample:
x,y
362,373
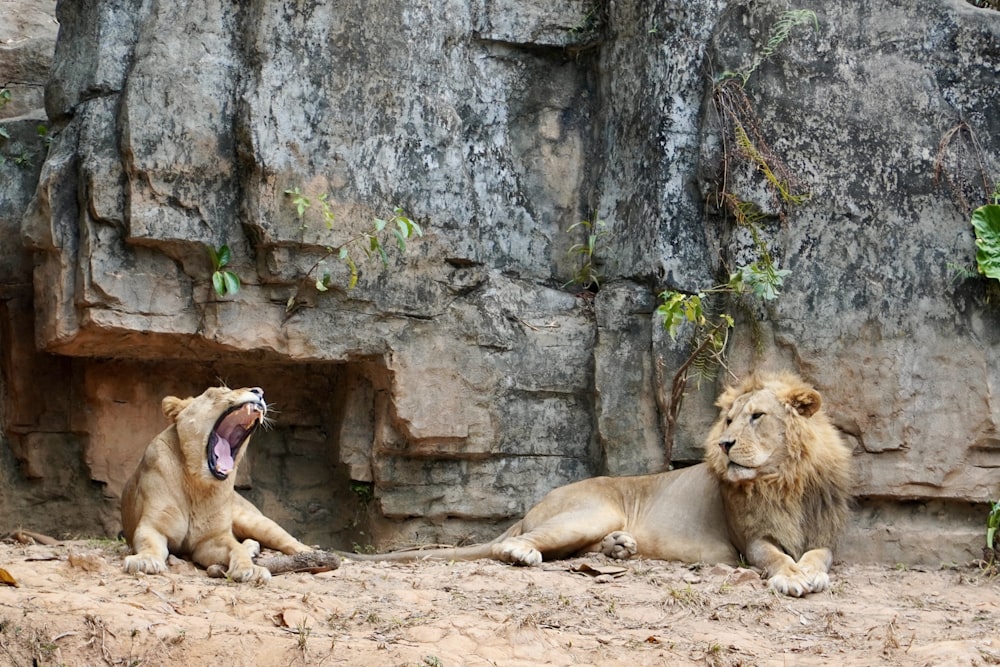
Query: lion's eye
x,y
755,416
729,420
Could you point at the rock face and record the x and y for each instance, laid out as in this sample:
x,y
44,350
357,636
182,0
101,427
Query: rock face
x,y
462,379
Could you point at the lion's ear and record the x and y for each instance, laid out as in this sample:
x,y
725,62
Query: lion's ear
x,y
804,400
172,406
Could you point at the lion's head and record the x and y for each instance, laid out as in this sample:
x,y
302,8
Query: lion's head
x,y
785,473
770,426
213,428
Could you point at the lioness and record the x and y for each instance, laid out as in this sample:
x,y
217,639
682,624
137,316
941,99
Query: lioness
x,y
181,498
774,487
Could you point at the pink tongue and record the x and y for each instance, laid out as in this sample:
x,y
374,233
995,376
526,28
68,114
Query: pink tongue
x,y
223,456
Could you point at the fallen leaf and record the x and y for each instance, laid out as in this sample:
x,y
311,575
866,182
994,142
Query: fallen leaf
x,y
294,619
598,570
6,578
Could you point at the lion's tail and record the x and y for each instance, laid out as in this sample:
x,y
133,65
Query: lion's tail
x,y
471,552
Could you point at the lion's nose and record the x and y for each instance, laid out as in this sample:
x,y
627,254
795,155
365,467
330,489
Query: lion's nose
x,y
726,445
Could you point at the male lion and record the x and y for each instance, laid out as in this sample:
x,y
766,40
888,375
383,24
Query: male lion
x,y
774,487
181,498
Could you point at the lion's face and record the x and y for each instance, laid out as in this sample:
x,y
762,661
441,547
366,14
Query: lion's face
x,y
751,440
214,427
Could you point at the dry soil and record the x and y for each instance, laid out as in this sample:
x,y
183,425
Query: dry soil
x,y
74,606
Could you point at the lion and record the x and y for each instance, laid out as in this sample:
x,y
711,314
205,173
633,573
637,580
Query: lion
x,y
181,498
774,488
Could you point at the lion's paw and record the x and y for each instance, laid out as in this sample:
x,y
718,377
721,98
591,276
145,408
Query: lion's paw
x,y
144,563
620,545
252,547
797,584
254,574
819,582
517,552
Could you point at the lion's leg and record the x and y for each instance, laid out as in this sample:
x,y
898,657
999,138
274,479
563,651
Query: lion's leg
x,y
808,575
561,535
151,551
225,549
250,522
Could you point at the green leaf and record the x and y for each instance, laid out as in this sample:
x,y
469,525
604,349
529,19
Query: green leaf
x,y
404,225
219,283
762,279
400,239
224,256
214,256
379,224
343,252
300,200
232,282
986,222
671,312
3,132
321,282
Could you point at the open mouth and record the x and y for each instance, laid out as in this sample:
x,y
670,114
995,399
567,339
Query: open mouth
x,y
230,433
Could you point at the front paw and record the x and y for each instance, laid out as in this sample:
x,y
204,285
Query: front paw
x,y
254,574
798,582
620,545
517,552
144,563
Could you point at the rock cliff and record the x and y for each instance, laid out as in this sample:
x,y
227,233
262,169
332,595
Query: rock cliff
x,y
460,380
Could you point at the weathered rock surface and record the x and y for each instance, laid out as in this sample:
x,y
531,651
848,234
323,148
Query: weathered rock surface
x,y
462,380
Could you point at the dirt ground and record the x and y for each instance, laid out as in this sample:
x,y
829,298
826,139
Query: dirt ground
x,y
74,606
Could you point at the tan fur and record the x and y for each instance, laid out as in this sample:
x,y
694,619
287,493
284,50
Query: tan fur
x,y
781,503
173,503
785,479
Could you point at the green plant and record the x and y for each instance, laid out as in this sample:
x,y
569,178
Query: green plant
x,y
22,159
743,144
986,223
224,281
365,491
42,131
760,279
779,33
300,201
591,24
371,242
587,274
19,154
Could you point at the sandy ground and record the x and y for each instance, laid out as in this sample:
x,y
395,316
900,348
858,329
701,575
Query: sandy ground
x,y
75,606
